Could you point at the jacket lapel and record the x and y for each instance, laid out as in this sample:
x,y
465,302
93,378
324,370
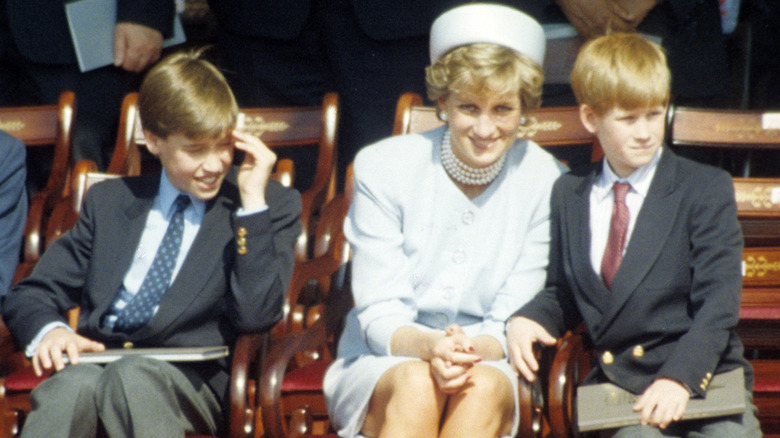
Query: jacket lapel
x,y
652,229
131,220
206,253
578,215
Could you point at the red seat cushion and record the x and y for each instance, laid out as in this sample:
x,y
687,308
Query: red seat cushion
x,y
766,384
306,378
24,380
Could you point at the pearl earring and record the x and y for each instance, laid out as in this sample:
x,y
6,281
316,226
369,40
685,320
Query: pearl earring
x,y
444,116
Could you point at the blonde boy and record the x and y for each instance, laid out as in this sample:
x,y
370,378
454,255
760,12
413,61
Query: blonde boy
x,y
235,230
645,252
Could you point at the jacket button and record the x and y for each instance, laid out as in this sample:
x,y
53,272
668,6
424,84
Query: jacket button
x,y
638,351
128,344
607,358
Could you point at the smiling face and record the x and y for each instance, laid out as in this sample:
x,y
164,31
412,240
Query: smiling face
x,y
195,166
630,138
483,127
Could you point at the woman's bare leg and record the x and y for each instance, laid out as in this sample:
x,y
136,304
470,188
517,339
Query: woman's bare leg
x,y
405,403
485,406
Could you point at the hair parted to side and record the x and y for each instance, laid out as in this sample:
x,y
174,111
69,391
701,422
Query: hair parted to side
x,y
185,94
620,70
484,68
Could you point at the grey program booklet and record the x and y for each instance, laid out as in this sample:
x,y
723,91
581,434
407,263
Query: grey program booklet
x,y
178,354
91,24
607,406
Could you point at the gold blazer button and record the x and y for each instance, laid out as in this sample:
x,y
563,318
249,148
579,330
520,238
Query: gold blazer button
x,y
607,358
638,351
241,232
128,345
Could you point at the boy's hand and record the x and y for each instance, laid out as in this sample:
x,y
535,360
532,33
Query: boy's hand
x,y
254,172
662,402
521,334
57,341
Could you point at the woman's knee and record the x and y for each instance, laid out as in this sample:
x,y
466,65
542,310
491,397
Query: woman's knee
x,y
408,379
489,387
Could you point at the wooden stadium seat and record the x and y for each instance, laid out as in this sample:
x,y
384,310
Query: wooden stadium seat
x,y
724,130
550,127
42,126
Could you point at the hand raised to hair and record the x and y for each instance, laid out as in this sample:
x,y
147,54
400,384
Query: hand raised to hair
x,y
254,171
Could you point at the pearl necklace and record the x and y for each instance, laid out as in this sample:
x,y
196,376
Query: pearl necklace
x,y
462,172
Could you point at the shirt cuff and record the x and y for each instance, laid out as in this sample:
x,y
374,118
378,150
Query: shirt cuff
x,y
241,212
33,345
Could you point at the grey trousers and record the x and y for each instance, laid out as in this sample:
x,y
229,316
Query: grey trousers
x,y
132,397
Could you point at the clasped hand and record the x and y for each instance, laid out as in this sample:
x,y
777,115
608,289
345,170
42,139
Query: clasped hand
x,y
49,352
453,356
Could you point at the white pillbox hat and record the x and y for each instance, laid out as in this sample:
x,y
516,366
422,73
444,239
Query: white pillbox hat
x,y
487,23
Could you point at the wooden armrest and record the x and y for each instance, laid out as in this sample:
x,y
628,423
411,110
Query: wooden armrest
x,y
280,352
569,367
243,395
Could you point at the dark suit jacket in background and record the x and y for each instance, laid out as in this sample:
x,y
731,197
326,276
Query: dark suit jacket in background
x,y
216,295
691,34
38,62
677,292
40,28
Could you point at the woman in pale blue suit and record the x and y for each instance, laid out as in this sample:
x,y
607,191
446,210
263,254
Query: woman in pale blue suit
x,y
450,234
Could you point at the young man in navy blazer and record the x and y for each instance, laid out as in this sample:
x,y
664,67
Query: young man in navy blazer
x,y
660,296
230,276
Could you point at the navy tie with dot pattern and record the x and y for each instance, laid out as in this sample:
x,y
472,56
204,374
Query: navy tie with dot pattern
x,y
140,309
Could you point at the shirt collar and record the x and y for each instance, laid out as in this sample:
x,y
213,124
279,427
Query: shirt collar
x,y
167,195
639,179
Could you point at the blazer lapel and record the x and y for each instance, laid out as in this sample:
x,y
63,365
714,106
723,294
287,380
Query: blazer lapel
x,y
653,226
129,223
578,215
205,254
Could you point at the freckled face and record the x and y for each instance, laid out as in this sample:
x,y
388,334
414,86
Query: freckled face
x,y
195,166
482,127
630,138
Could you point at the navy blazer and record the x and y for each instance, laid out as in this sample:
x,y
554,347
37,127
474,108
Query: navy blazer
x,y
216,295
674,303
